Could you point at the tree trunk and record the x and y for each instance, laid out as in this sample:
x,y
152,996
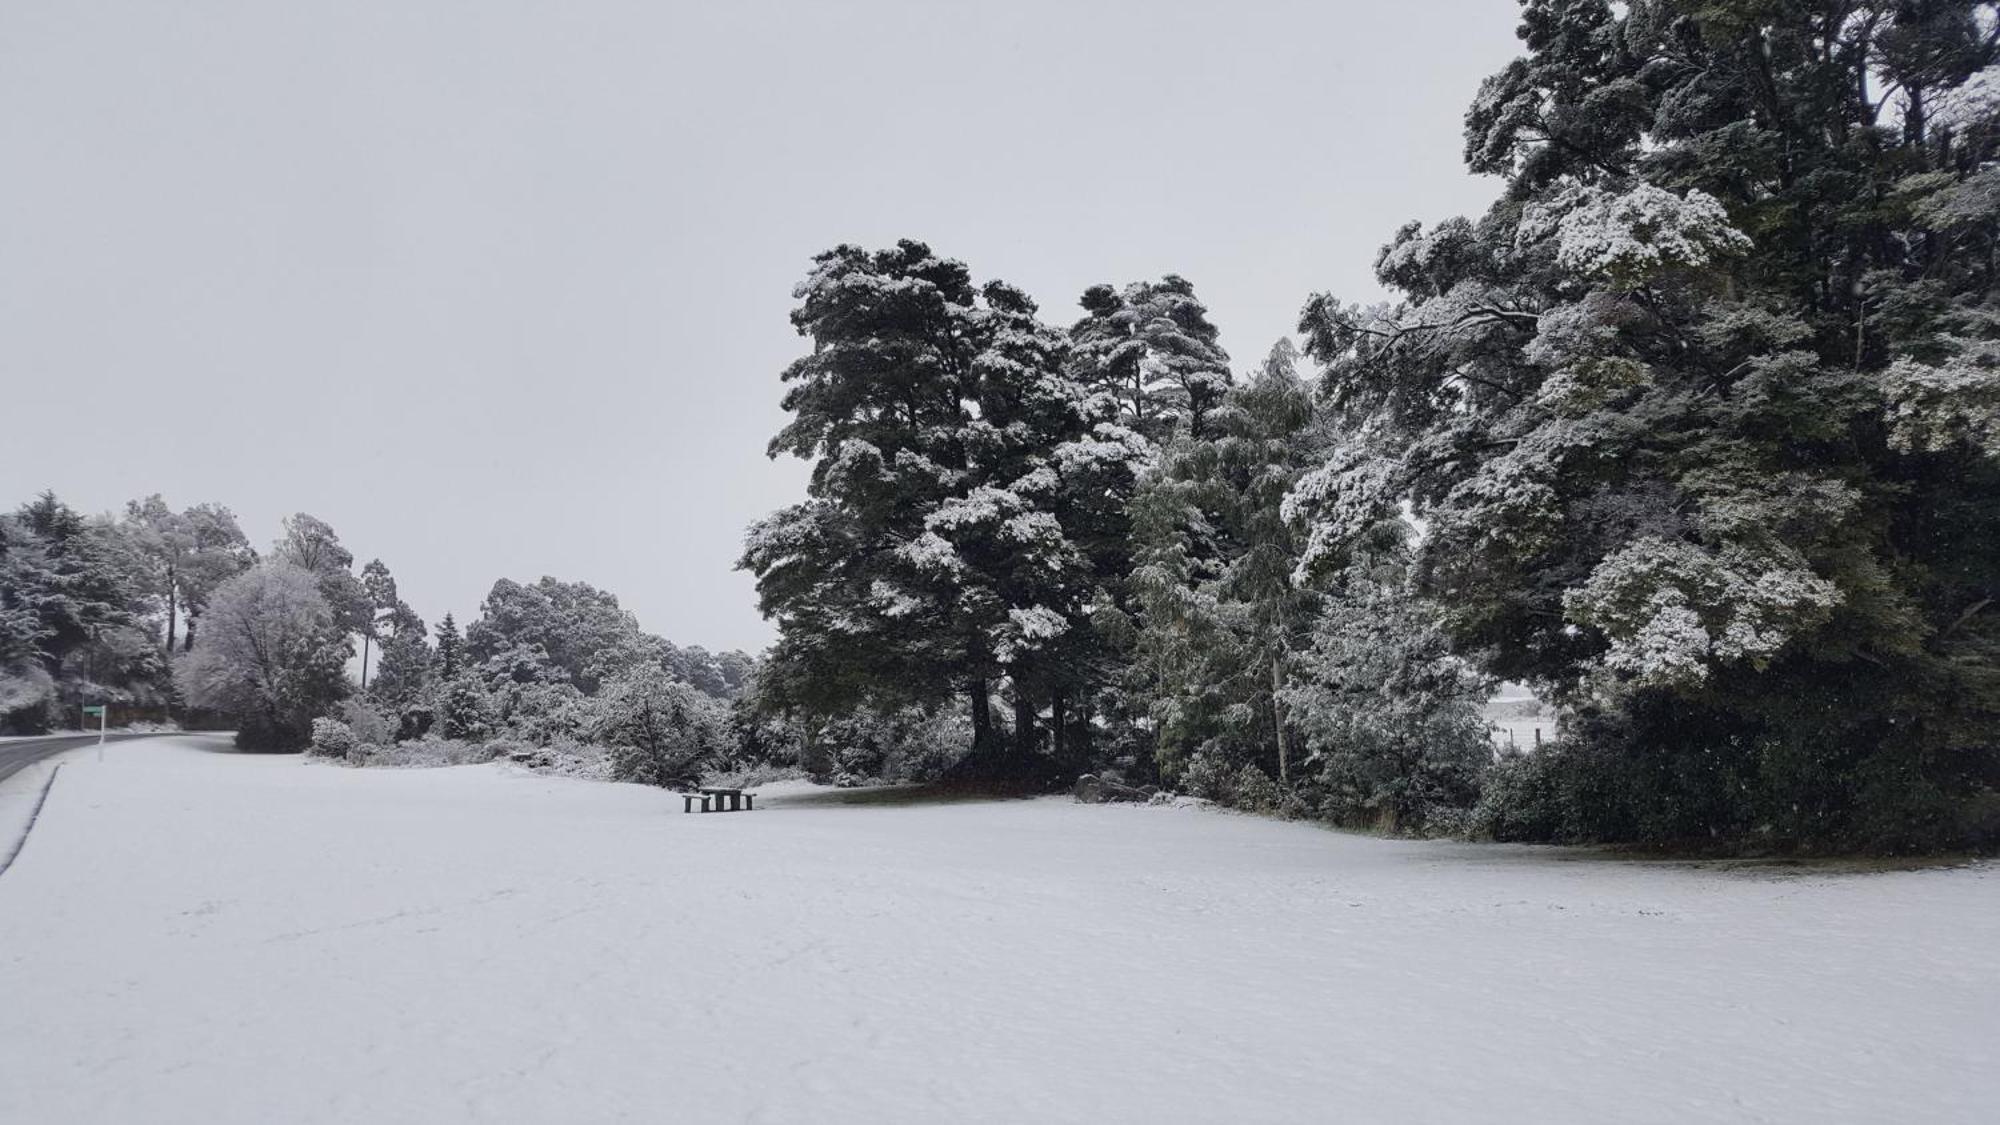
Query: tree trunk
x,y
1057,705
982,717
1278,721
1024,719
811,758
364,662
173,587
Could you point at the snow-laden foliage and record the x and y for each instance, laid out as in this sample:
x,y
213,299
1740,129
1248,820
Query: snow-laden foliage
x,y
1633,236
1935,408
271,658
1674,611
331,738
1150,349
1215,555
1699,418
661,731
83,602
970,472
1389,713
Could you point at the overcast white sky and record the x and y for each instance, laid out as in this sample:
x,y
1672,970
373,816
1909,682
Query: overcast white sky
x,y
500,288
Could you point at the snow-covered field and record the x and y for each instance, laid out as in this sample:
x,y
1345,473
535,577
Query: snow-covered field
x,y
197,936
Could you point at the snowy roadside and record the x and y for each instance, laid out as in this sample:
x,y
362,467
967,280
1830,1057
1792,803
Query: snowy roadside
x,y
21,794
199,936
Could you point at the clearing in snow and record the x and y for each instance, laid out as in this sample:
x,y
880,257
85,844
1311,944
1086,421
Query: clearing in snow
x,y
193,935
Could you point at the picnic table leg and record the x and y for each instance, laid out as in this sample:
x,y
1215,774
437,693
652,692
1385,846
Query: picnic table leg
x,y
749,802
736,802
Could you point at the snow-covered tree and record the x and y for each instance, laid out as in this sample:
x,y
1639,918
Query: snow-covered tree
x,y
662,731
1699,414
311,545
272,656
185,554
1391,717
930,557
1215,561
1150,349
450,648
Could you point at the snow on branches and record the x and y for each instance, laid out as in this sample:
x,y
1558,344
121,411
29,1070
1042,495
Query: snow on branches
x,y
1933,408
1674,610
1336,502
1632,236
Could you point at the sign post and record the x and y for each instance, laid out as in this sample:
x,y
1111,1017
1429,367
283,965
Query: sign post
x,y
100,710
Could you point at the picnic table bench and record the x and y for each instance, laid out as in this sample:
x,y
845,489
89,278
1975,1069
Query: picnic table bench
x,y
719,800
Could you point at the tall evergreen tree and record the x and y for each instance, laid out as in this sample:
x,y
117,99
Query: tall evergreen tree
x,y
1215,560
450,649
929,558
1700,415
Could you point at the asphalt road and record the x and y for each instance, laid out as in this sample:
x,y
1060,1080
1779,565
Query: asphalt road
x,y
18,754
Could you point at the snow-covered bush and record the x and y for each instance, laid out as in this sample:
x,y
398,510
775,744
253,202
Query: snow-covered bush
x,y
462,710
429,753
1252,790
907,745
1210,777
331,738
749,777
368,722
660,731
1519,798
414,721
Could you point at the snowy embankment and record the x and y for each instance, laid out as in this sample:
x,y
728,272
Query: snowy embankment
x,y
197,936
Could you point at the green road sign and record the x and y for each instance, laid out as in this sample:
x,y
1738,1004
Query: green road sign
x,y
97,709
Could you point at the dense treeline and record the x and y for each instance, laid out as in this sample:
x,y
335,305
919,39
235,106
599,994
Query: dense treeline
x,y
1695,431
165,613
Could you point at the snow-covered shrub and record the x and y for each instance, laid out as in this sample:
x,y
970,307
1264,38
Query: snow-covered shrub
x,y
1252,790
924,746
540,713
1209,777
368,722
429,753
570,757
331,738
909,745
1518,799
462,711
661,731
414,722
749,777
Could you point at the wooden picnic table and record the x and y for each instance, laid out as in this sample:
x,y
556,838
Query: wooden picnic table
x,y
719,800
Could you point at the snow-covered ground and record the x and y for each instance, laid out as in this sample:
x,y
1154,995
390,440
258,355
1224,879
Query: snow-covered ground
x,y
197,936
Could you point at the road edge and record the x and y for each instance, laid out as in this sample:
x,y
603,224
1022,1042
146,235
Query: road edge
x,y
36,814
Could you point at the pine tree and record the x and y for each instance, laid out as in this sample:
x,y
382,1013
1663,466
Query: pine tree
x,y
1151,350
450,649
928,559
379,587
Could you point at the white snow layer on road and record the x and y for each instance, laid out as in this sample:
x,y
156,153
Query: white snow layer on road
x,y
197,936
